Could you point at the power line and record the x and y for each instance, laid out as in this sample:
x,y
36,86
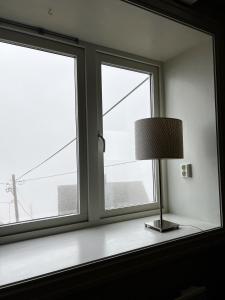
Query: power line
x,y
66,145
49,176
121,163
128,94
24,209
21,205
47,159
73,172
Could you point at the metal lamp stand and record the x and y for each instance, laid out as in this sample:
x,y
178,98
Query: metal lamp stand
x,y
161,225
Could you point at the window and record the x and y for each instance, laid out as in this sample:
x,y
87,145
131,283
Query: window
x,y
126,96
43,153
47,139
128,182
38,158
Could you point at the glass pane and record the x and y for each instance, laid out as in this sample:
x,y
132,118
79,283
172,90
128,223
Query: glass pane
x,y
37,119
127,182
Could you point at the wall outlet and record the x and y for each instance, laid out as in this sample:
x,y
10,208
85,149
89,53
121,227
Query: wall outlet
x,y
186,170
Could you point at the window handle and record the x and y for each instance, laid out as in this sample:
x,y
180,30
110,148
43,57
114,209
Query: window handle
x,y
103,141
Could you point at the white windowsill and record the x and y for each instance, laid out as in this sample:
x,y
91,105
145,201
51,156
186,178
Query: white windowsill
x,y
27,259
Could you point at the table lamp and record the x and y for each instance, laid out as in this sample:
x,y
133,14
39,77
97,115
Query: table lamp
x,y
159,138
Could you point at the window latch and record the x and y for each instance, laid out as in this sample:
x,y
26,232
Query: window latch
x,y
103,141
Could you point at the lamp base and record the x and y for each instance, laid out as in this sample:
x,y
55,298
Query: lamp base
x,y
166,225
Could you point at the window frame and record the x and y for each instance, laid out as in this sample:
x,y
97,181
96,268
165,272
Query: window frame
x,y
57,47
129,64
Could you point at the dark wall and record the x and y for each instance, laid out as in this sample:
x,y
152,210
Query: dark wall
x,y
152,273
163,271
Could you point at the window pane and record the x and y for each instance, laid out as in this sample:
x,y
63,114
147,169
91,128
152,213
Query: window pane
x,y
127,182
37,119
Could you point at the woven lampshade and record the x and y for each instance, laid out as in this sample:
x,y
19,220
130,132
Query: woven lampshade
x,y
158,138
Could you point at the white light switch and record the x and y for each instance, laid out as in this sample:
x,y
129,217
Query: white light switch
x,y
186,170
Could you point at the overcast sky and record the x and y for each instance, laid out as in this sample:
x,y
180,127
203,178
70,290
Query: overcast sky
x,y
37,117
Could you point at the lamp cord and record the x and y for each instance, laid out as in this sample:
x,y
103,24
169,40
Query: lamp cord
x,y
192,226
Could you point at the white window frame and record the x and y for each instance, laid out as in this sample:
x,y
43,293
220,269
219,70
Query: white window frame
x,y
129,64
90,163
34,42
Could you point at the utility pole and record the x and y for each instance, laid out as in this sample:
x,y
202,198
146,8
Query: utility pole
x,y
15,197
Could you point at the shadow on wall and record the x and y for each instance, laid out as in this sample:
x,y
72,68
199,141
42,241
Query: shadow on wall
x,y
209,139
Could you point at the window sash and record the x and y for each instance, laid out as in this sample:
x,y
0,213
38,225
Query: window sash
x,y
126,63
46,45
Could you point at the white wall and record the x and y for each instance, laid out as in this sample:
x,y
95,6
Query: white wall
x,y
189,95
